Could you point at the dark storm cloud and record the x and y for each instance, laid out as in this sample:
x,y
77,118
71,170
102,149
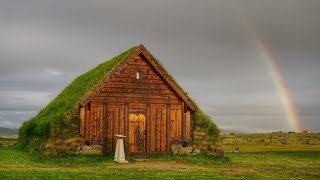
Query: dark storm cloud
x,y
208,46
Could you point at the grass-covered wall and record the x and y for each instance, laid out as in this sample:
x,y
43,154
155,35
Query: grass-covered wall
x,y
205,132
60,118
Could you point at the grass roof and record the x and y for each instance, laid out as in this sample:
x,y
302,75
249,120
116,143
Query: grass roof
x,y
35,132
60,118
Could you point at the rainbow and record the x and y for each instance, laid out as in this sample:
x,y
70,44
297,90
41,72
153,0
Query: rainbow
x,y
283,92
292,114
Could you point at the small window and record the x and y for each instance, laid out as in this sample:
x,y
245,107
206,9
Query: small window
x,y
138,75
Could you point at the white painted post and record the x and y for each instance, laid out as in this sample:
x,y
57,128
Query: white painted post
x,y
119,155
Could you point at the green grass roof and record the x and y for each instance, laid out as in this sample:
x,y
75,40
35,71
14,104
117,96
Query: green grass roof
x,y
60,118
35,132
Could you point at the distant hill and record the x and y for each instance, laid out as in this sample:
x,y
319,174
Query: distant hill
x,y
4,130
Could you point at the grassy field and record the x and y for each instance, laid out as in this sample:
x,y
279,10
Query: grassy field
x,y
7,140
271,142
291,163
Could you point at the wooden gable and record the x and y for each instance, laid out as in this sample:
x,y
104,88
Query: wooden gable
x,y
159,75
140,100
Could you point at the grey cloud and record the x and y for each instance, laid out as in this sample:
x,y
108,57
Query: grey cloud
x,y
24,100
14,119
208,46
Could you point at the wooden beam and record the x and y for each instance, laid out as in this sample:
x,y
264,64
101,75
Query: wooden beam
x,y
87,126
89,122
183,123
168,129
126,128
148,128
105,128
137,100
156,139
113,139
82,121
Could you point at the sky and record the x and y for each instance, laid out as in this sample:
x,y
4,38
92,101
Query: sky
x,y
217,50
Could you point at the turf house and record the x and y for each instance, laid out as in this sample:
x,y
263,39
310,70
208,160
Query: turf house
x,y
132,95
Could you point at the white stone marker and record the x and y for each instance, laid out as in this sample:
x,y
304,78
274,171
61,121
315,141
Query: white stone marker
x,y
119,155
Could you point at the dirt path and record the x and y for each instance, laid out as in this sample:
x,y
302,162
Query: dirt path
x,y
159,165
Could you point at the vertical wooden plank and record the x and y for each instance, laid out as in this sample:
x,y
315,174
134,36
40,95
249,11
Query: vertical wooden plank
x,y
163,130
101,123
183,122
89,123
116,121
87,138
126,127
148,128
131,132
85,124
188,124
145,135
153,132
172,124
82,120
108,127
178,120
110,118
115,128
105,128
98,124
168,128
121,120
158,130
94,124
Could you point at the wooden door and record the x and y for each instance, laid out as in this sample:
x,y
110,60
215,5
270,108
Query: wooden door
x,y
115,121
158,128
137,133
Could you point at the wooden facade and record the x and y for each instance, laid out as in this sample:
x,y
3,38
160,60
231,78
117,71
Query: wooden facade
x,y
140,100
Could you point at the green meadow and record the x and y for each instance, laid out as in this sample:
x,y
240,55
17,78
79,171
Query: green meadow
x,y
271,142
260,161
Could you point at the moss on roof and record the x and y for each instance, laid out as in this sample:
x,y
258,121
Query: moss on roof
x,y
34,133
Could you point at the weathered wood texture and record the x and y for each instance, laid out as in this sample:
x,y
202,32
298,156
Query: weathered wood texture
x,y
82,120
157,129
147,66
137,138
146,110
115,124
175,124
124,87
188,125
96,123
